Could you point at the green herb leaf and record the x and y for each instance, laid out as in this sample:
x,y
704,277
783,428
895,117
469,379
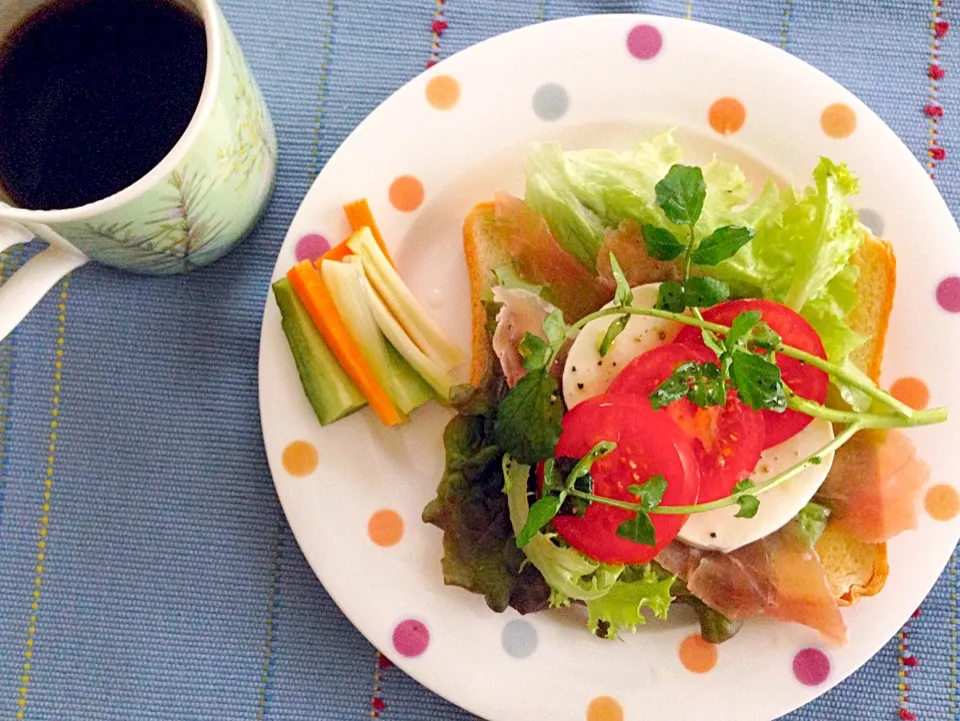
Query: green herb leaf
x,y
712,342
813,520
763,337
613,330
555,471
721,244
758,382
650,492
741,325
583,466
681,194
555,329
541,513
638,529
702,383
661,243
535,351
623,296
670,297
528,419
749,504
565,474
703,292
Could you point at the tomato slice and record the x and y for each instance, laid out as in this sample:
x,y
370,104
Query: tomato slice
x,y
806,381
648,443
727,440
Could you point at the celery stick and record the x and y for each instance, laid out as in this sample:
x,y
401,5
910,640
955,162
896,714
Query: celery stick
x,y
421,328
406,389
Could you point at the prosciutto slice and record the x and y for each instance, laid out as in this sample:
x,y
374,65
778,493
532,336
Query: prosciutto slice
x,y
521,312
780,576
540,259
874,485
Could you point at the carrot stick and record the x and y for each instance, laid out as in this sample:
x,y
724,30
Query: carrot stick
x,y
359,216
308,285
337,252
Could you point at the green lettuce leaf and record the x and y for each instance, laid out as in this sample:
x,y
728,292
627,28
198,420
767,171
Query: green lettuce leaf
x,y
621,607
606,186
570,574
800,257
614,595
576,228
480,553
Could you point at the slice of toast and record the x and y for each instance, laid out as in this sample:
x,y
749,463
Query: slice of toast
x,y
854,569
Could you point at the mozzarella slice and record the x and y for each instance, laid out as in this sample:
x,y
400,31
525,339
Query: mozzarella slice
x,y
586,374
720,530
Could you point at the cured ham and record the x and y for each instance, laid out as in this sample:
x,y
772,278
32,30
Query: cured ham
x,y
873,488
780,576
541,260
521,312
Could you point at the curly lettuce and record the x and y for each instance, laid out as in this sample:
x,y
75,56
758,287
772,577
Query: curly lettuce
x,y
615,596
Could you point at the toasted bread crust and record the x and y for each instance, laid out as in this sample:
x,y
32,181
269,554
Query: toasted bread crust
x,y
854,569
485,251
871,318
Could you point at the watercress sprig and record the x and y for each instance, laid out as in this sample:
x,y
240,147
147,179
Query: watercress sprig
x,y
556,490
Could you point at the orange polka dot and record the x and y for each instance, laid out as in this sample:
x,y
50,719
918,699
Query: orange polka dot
x,y
697,655
942,502
443,92
912,391
406,193
727,115
300,458
838,120
604,708
385,528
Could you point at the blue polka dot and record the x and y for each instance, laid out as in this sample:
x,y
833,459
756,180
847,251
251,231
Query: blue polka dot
x,y
519,639
872,220
550,102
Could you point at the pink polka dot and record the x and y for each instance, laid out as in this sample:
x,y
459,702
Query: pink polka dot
x,y
311,247
644,42
811,667
948,294
411,638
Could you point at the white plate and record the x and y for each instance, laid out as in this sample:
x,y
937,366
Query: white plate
x,y
599,93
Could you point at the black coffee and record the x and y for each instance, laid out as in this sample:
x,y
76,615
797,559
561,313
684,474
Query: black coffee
x,y
93,94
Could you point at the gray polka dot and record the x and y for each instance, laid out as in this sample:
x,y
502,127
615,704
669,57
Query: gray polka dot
x,y
550,102
519,639
872,220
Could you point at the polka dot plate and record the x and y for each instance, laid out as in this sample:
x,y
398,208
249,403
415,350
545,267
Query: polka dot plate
x,y
353,492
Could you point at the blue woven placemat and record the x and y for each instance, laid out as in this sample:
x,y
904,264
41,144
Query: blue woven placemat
x,y
146,571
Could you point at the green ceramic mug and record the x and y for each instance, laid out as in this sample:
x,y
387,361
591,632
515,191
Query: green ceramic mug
x,y
189,210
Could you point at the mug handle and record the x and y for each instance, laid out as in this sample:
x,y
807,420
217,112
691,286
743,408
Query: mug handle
x,y
21,292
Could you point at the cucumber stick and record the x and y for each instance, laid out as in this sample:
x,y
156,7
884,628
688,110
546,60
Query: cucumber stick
x,y
328,388
406,388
